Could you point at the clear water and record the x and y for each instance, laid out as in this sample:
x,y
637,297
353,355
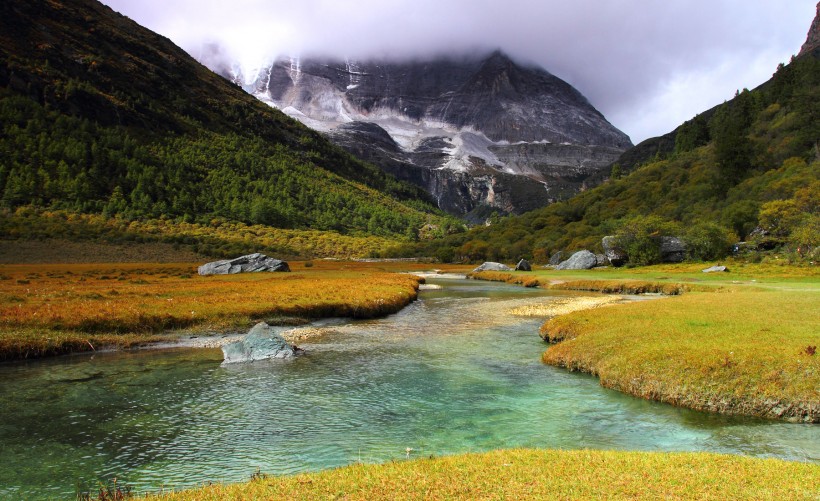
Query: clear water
x,y
454,372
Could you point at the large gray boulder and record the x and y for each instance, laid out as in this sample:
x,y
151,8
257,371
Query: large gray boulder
x,y
523,265
601,260
492,266
556,258
250,263
261,343
613,252
581,260
673,250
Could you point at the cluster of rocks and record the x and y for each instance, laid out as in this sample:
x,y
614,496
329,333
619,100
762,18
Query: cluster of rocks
x,y
672,249
523,265
251,263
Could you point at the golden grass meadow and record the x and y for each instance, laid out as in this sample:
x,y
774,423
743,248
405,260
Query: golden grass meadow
x,y
536,474
738,342
52,309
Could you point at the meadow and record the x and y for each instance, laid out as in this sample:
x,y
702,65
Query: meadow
x,y
50,309
742,342
536,474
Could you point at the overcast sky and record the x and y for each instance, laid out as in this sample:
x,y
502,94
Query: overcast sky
x,y
647,65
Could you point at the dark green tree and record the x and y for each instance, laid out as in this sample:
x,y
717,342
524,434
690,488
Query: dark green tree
x,y
730,131
692,134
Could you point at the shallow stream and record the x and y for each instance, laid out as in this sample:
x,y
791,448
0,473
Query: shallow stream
x,y
454,372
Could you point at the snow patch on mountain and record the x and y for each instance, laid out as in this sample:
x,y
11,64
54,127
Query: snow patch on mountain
x,y
477,118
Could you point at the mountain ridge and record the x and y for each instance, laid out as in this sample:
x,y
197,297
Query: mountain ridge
x,y
812,44
101,115
746,169
458,123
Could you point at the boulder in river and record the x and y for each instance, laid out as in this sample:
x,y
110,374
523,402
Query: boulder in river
x,y
261,343
523,265
581,260
492,266
250,263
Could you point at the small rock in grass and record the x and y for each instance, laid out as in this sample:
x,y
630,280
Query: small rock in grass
x,y
713,269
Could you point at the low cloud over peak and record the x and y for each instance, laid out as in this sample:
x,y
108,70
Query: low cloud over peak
x,y
647,66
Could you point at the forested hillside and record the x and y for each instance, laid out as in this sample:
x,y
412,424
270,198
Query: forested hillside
x,y
748,169
99,115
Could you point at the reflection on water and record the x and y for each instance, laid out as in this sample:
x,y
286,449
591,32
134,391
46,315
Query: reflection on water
x,y
451,373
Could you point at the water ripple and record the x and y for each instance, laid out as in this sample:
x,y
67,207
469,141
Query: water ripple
x,y
454,372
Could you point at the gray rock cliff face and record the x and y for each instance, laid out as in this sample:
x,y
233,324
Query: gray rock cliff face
x,y
812,44
473,131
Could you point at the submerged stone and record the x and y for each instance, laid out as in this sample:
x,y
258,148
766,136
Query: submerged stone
x,y
261,343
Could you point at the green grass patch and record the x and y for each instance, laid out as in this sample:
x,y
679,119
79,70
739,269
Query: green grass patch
x,y
623,287
742,342
537,474
736,350
606,286
760,274
527,280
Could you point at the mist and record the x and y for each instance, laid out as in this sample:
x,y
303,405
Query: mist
x,y
646,65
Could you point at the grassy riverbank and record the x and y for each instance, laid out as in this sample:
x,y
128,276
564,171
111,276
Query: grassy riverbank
x,y
606,286
54,309
735,351
537,474
742,342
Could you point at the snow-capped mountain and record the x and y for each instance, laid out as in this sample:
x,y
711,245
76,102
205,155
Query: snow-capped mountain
x,y
474,131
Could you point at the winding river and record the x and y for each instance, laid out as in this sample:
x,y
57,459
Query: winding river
x,y
454,372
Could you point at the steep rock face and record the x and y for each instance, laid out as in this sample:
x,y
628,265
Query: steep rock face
x,y
472,131
812,44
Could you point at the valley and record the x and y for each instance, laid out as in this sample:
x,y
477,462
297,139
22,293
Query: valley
x,y
681,362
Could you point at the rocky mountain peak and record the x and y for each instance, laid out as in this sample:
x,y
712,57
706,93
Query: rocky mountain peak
x,y
474,130
813,39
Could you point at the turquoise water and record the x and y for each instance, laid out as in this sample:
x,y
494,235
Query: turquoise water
x,y
454,372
